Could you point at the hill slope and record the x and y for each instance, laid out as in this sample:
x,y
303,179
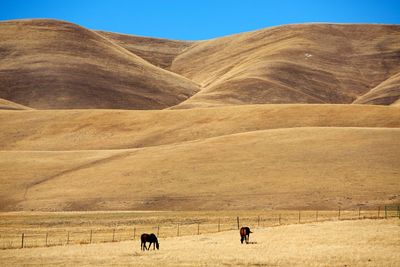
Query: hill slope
x,y
108,129
5,104
48,64
282,168
53,64
159,52
306,63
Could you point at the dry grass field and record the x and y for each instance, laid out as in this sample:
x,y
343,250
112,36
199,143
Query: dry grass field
x,y
60,130
339,243
344,167
41,229
104,136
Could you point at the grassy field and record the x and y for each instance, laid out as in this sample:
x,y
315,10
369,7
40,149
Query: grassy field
x,y
42,229
335,243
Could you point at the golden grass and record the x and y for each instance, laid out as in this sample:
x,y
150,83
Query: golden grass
x,y
65,228
5,104
50,64
351,243
296,168
305,63
112,129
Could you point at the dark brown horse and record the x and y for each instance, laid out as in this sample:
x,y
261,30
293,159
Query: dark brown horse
x,y
151,238
245,234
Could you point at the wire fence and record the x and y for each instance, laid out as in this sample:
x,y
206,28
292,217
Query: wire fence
x,y
45,237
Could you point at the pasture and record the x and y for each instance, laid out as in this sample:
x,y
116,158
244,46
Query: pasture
x,y
331,243
41,229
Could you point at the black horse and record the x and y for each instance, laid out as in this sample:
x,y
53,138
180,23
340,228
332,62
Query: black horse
x,y
245,234
149,238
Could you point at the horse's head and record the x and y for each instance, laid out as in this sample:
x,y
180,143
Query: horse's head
x,y
157,245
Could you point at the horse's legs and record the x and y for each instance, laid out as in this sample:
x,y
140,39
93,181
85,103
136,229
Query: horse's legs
x,y
247,239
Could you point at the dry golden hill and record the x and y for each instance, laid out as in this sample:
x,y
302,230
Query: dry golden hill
x,y
5,104
49,64
159,52
297,168
306,63
237,155
111,129
386,92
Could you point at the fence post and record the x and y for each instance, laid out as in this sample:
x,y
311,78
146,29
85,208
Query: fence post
x,y
379,212
178,230
158,230
238,222
299,216
219,224
67,237
359,213
113,239
385,212
258,220
339,214
91,233
47,234
279,219
134,233
198,228
316,216
22,240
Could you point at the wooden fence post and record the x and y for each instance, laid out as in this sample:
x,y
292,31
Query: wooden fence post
x,y
316,216
299,216
238,222
339,214
134,233
198,228
379,212
178,230
113,239
47,234
158,230
279,219
219,224
91,233
258,220
359,213
385,212
22,240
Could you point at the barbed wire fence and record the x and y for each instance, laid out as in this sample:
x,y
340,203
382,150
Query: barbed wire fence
x,y
29,238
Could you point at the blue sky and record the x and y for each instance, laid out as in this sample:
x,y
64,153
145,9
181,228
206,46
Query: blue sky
x,y
197,20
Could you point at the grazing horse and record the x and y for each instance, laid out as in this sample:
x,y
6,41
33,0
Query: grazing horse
x,y
149,238
245,234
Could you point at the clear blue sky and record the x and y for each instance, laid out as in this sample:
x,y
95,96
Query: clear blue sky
x,y
196,20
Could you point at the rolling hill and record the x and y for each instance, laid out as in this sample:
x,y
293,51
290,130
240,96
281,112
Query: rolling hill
x,y
61,65
297,168
62,130
48,64
305,63
291,117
